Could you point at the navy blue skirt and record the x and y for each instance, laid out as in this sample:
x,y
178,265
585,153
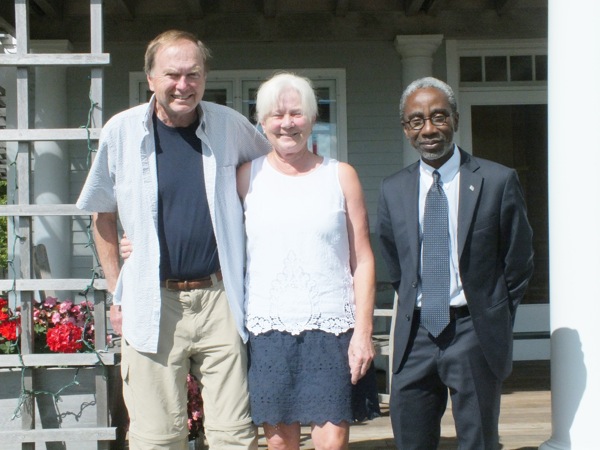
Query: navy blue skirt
x,y
306,379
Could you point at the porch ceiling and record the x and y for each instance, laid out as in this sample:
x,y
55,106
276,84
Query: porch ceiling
x,y
285,20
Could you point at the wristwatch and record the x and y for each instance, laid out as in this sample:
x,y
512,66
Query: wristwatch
x,y
109,298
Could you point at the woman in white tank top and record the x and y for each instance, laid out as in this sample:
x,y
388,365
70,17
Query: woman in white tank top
x,y
310,278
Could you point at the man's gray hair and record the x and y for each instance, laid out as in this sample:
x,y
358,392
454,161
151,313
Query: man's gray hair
x,y
428,82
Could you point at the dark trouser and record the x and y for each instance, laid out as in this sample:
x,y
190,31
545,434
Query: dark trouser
x,y
453,363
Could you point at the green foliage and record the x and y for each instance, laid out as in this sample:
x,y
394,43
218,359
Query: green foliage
x,y
7,347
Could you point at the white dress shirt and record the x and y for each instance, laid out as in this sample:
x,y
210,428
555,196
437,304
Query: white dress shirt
x,y
450,178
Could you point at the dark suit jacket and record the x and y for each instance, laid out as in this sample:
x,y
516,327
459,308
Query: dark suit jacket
x,y
494,248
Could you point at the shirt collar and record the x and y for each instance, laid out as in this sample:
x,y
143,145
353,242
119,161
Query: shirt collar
x,y
448,171
202,117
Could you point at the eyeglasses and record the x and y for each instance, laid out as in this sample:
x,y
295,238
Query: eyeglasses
x,y
416,123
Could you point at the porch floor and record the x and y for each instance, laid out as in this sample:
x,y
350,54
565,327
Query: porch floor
x,y
525,416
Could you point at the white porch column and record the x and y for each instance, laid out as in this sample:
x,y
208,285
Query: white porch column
x,y
51,160
574,214
417,62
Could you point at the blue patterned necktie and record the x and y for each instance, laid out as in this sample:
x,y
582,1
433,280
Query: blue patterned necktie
x,y
435,274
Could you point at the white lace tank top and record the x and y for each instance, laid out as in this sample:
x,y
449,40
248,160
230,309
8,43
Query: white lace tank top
x,y
298,257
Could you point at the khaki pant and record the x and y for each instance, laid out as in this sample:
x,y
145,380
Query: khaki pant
x,y
198,333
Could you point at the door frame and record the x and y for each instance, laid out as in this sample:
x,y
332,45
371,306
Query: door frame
x,y
530,317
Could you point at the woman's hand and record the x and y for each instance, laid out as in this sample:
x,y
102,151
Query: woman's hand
x,y
360,355
125,247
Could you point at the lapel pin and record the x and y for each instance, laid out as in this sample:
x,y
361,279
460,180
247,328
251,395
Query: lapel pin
x,y
472,187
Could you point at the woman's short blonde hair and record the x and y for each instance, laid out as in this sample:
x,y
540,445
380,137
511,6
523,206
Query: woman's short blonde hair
x,y
267,97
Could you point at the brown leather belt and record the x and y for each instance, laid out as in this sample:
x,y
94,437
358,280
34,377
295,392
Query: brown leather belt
x,y
455,312
190,285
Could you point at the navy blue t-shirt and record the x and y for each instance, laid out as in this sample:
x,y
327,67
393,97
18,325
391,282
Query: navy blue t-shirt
x,y
188,248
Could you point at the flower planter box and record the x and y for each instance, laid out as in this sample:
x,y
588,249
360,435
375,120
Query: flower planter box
x,y
74,408
70,389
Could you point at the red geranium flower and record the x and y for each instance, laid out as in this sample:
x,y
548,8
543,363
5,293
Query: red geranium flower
x,y
8,330
64,338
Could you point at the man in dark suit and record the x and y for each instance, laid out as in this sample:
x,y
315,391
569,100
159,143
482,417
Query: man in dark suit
x,y
490,262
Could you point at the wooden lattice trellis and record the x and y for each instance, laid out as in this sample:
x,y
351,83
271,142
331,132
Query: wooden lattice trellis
x,y
24,285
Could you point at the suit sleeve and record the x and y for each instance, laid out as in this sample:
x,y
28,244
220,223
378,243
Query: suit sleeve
x,y
387,242
516,240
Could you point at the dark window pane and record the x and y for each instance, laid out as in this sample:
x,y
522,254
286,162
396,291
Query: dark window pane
x,y
495,68
252,105
517,136
216,96
323,104
521,68
470,69
541,67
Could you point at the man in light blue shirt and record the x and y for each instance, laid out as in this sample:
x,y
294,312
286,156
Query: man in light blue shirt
x,y
166,170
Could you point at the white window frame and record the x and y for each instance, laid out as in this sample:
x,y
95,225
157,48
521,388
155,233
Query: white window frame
x,y
234,80
505,93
